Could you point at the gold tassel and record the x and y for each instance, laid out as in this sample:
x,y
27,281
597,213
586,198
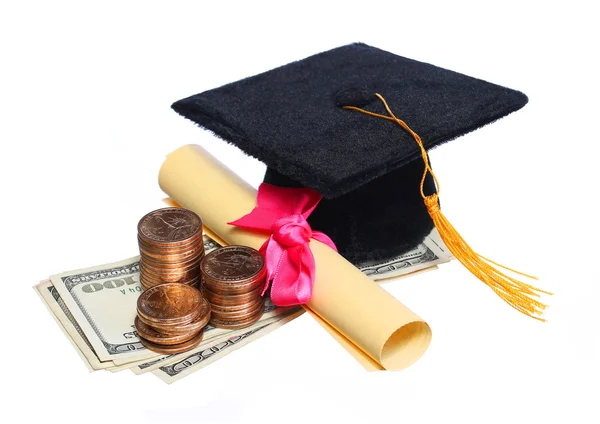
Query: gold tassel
x,y
517,294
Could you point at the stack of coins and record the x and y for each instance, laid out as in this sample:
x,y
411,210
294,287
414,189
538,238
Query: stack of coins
x,y
171,318
171,247
232,280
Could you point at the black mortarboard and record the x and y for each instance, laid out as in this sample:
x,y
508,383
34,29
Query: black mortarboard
x,y
294,119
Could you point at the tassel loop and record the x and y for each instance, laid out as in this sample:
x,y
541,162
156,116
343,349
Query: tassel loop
x,y
521,296
432,203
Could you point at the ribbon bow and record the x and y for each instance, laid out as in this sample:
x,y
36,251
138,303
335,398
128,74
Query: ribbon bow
x,y
288,258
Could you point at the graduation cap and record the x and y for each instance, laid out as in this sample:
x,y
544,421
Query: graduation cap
x,y
355,123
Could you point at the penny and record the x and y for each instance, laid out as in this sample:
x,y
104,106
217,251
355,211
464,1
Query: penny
x,y
230,288
171,247
170,303
151,281
189,249
233,288
151,334
169,226
235,324
193,327
149,286
169,268
233,264
162,258
166,267
232,280
234,299
160,279
231,319
169,276
198,323
173,349
239,315
240,308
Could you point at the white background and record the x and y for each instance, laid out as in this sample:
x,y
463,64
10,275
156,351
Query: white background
x,y
85,122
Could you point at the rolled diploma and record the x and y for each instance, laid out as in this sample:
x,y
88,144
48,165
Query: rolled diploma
x,y
366,318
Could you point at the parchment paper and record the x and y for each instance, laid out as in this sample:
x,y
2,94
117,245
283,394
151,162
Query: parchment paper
x,y
378,330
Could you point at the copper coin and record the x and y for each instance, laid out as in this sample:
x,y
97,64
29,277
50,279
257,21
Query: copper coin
x,y
188,249
192,242
170,260
239,307
155,280
172,247
193,327
233,264
241,314
231,287
164,270
153,335
169,226
146,287
170,276
171,303
157,272
232,299
164,267
235,324
173,349
149,281
194,249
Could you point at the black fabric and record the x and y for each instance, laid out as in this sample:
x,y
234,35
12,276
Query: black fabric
x,y
367,169
379,220
290,119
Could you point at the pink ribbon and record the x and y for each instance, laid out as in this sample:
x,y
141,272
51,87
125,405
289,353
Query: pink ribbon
x,y
289,261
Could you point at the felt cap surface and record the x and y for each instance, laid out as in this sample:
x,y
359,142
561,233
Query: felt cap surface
x,y
292,117
367,169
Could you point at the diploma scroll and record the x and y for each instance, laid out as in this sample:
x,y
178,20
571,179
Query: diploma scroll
x,y
370,323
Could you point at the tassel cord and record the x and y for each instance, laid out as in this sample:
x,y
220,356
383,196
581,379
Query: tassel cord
x,y
517,294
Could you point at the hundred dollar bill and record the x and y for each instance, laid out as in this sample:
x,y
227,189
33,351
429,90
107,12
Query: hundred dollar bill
x,y
98,313
426,255
211,334
194,361
103,301
71,329
214,335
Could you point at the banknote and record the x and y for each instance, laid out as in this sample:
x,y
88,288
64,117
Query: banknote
x,y
71,329
429,253
95,308
103,301
215,336
98,329
199,358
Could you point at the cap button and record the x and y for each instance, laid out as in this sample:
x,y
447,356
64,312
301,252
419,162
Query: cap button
x,y
359,97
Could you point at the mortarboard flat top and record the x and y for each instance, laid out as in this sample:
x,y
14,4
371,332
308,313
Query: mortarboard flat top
x,y
291,117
